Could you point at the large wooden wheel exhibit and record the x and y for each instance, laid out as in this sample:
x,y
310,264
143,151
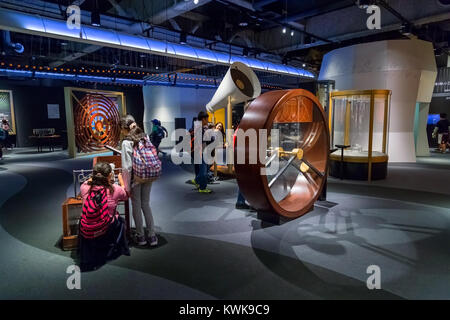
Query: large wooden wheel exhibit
x,y
302,154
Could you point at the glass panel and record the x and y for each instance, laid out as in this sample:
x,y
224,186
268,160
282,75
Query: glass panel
x,y
359,123
378,123
339,107
300,126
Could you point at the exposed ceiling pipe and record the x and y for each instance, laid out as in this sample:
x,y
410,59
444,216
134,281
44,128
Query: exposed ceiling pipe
x,y
8,45
37,25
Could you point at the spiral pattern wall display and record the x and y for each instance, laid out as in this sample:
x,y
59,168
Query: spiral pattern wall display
x,y
97,123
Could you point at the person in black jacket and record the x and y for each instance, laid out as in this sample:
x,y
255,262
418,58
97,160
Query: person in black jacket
x,y
442,132
4,128
158,133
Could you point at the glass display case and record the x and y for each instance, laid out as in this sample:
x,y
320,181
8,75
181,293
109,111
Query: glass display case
x,y
358,122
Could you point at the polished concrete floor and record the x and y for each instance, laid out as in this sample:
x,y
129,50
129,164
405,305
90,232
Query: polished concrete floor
x,y
210,250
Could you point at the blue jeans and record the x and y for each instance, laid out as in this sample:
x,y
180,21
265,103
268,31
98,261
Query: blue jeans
x,y
202,176
240,198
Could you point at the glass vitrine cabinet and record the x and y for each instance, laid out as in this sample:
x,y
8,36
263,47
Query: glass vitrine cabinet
x,y
358,122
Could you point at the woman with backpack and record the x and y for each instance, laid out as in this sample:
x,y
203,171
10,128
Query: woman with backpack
x,y
102,232
141,167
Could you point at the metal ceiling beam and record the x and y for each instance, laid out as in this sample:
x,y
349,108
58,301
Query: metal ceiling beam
x,y
118,8
338,5
72,57
260,4
174,24
364,33
176,10
240,3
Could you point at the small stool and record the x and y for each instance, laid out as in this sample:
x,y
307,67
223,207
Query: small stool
x,y
342,147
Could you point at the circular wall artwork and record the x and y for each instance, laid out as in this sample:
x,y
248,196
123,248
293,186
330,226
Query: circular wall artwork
x,y
97,123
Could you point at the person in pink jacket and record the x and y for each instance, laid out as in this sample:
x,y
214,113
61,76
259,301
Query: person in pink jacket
x,y
102,235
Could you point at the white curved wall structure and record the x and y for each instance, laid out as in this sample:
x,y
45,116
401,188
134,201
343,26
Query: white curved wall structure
x,y
407,68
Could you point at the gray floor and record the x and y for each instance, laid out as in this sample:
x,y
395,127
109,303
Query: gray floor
x,y
209,250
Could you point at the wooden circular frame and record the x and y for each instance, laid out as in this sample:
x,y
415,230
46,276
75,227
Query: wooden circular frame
x,y
254,186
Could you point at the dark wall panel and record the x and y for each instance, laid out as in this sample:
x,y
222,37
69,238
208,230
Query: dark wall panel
x,y
31,99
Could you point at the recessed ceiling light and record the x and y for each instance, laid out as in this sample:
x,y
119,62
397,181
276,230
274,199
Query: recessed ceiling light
x,y
243,24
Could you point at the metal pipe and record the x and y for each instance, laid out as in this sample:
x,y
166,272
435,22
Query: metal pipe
x,y
282,171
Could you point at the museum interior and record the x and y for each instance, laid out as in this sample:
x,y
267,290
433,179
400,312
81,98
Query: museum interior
x,y
354,95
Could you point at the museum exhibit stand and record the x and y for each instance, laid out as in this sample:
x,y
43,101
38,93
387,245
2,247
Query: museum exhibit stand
x,y
302,155
358,122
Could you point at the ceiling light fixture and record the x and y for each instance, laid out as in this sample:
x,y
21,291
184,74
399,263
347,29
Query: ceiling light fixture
x,y
195,1
284,30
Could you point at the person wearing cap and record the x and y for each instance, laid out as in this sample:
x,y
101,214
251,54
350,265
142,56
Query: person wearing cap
x,y
201,179
158,133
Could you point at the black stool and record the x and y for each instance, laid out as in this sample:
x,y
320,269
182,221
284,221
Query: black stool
x,y
342,147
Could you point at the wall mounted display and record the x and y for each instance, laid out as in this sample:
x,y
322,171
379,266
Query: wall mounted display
x,y
93,120
359,119
302,153
7,109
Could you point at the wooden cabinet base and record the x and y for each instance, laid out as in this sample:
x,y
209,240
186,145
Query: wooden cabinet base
x,y
70,243
71,212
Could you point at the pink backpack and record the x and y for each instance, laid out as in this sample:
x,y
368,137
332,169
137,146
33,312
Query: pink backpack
x,y
95,218
146,164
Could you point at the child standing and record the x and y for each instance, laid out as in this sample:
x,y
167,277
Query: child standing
x,y
138,189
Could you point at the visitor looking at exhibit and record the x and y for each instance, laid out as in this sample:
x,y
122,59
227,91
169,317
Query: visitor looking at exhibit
x,y
102,234
201,179
139,189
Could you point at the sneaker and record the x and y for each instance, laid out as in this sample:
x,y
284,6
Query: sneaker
x,y
140,240
206,190
195,183
153,240
242,206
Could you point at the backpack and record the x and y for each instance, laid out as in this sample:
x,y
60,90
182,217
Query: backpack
x,y
146,164
95,218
